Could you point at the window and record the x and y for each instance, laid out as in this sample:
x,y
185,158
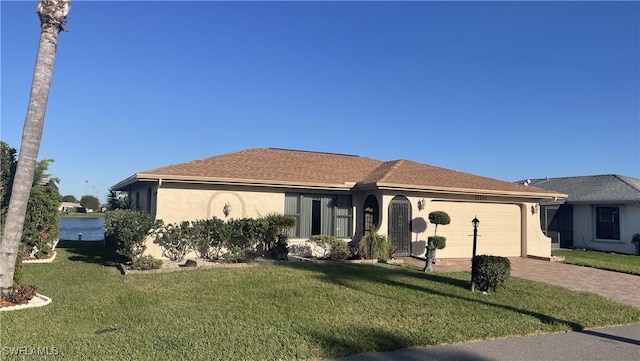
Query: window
x,y
608,222
320,214
149,200
371,214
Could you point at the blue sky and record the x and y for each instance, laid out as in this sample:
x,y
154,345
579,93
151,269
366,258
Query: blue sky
x,y
508,90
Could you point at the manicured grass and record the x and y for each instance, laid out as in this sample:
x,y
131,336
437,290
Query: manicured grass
x,y
286,311
608,261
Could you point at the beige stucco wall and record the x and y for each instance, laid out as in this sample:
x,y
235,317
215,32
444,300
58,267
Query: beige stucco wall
x,y
176,205
507,228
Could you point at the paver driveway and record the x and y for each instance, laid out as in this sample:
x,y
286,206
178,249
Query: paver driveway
x,y
615,285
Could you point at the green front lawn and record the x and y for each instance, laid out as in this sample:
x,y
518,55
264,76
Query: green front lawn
x,y
608,261
287,311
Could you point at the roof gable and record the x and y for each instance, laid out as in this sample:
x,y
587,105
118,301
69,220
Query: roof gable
x,y
594,188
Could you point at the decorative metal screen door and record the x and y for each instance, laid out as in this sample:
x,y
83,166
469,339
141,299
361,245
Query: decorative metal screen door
x,y
399,225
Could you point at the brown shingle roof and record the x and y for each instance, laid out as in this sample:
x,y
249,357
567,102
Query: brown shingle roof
x,y
276,165
280,166
407,172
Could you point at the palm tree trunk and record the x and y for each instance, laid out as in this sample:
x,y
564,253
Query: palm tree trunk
x,y
52,15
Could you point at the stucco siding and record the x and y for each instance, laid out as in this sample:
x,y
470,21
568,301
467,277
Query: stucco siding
x,y
499,232
535,242
584,229
582,226
176,205
630,224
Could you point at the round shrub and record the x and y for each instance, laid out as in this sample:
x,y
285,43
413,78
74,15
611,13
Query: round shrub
x,y
489,273
439,217
438,242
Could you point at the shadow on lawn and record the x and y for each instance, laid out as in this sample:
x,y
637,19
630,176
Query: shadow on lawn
x,y
369,338
91,252
350,272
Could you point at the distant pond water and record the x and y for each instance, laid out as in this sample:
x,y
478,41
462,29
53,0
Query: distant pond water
x,y
90,229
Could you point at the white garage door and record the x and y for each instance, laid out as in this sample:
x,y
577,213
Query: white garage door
x,y
498,233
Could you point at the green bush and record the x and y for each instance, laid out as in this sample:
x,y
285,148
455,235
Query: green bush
x,y
240,255
438,242
277,233
375,246
246,233
210,236
126,231
636,242
175,240
334,248
146,262
42,218
280,251
490,272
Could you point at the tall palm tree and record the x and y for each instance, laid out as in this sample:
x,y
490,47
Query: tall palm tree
x,y
53,16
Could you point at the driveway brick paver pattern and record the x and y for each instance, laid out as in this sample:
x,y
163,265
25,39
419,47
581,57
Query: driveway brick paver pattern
x,y
615,285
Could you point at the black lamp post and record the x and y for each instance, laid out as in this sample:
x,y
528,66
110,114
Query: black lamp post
x,y
475,223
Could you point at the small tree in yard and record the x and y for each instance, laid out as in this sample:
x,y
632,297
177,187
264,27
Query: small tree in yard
x,y
53,16
435,242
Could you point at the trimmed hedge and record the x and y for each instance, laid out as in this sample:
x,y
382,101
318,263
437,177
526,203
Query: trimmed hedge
x,y
489,273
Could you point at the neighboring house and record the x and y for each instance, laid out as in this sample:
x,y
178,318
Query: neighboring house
x,y
602,212
347,196
69,206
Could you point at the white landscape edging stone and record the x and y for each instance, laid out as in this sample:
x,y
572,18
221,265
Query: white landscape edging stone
x,y
45,260
37,301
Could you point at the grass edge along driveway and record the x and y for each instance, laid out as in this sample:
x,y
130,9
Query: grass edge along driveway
x,y
603,260
285,311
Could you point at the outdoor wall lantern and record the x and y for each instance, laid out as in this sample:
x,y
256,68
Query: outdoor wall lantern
x,y
421,204
226,209
535,208
475,222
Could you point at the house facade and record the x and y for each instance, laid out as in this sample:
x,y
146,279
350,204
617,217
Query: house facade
x,y
347,196
601,212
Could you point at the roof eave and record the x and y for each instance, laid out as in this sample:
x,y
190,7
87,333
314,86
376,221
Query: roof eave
x,y
141,177
605,201
463,191
122,185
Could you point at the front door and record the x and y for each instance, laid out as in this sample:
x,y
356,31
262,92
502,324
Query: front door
x,y
399,225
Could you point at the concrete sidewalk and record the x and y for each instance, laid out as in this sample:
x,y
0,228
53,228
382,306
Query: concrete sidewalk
x,y
621,343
